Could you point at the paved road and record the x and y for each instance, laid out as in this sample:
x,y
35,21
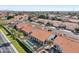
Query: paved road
x,y
5,46
67,33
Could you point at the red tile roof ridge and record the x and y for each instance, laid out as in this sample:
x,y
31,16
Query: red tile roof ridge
x,y
41,34
67,44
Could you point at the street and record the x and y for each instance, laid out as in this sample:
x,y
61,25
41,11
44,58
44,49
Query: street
x,y
5,46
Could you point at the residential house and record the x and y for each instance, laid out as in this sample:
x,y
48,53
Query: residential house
x,y
71,26
26,28
42,36
68,45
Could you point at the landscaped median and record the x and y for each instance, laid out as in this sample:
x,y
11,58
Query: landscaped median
x,y
13,41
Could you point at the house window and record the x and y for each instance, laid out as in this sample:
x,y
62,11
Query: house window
x,y
51,38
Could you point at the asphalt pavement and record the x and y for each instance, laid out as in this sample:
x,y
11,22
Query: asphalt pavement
x,y
5,46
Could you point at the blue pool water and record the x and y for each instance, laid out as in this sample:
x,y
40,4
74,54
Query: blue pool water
x,y
33,42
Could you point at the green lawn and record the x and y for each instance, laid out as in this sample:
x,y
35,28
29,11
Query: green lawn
x,y
13,41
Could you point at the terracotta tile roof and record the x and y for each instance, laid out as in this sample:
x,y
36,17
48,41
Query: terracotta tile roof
x,y
44,20
27,28
41,34
71,25
24,27
67,44
20,25
56,23
73,20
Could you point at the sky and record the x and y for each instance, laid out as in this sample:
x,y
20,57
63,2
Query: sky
x,y
40,7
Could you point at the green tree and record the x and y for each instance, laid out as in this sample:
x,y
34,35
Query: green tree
x,y
77,30
49,24
20,35
54,18
50,42
9,17
13,31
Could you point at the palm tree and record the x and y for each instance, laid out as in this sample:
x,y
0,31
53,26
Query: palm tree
x,y
1,21
20,35
50,42
34,47
77,30
13,31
